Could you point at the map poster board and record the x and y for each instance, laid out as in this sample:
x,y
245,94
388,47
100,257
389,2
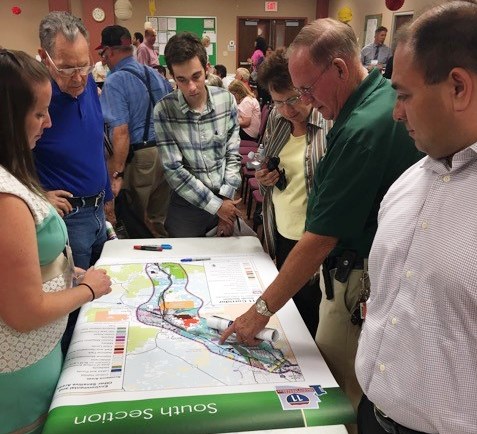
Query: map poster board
x,y
142,358
166,27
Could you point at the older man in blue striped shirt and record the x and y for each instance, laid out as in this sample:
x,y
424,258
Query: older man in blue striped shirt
x,y
198,136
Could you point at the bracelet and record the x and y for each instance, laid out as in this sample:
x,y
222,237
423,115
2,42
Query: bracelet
x,y
89,287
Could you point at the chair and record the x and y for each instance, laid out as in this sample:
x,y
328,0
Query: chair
x,y
246,146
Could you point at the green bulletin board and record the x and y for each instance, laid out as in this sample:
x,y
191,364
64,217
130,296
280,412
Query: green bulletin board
x,y
166,27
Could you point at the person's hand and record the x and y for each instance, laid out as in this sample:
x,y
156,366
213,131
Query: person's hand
x,y
225,228
58,199
99,281
109,212
116,184
267,178
246,327
228,211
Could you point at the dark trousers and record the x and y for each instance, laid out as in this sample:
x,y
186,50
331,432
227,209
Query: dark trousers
x,y
186,220
245,136
308,298
367,423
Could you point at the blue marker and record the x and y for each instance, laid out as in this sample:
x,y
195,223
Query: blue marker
x,y
194,259
166,246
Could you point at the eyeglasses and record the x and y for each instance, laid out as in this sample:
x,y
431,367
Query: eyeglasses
x,y
69,72
290,101
306,91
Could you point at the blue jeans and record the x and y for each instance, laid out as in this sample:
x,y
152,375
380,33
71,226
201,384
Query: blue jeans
x,y
87,234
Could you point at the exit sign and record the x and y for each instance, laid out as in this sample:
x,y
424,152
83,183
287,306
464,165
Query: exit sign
x,y
271,6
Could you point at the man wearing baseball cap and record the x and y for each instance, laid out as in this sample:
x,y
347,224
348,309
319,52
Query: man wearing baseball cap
x,y
129,94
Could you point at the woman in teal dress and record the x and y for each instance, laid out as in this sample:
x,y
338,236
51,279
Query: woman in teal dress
x,y
36,292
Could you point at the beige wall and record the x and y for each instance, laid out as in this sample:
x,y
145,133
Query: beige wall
x,y
361,8
21,31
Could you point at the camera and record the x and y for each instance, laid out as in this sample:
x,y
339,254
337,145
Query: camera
x,y
272,164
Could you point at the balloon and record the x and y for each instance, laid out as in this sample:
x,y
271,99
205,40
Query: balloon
x,y
394,5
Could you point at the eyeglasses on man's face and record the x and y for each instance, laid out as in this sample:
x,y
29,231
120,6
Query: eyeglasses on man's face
x,y
69,72
306,92
290,101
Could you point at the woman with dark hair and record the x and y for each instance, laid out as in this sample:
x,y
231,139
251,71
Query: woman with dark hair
x,y
296,133
36,293
259,54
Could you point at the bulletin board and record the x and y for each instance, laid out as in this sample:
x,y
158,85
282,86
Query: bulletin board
x,y
166,27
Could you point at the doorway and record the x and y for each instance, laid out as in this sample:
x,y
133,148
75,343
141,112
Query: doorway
x,y
278,32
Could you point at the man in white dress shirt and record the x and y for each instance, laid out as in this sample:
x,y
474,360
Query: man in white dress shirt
x,y
417,354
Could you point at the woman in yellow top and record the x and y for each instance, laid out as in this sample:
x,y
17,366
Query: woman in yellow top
x,y
296,133
36,292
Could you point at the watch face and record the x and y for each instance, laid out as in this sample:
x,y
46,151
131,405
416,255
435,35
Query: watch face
x,y
98,14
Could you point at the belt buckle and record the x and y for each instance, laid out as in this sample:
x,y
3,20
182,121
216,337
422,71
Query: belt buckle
x,y
83,202
97,201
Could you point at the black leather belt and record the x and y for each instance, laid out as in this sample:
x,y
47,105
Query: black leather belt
x,y
143,145
86,201
390,426
333,261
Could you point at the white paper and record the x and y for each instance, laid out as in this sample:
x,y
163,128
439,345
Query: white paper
x,y
171,24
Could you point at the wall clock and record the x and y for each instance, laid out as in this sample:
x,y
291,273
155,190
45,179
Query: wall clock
x,y
98,14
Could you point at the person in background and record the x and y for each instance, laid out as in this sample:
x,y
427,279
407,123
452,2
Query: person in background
x,y
376,54
248,110
206,43
366,151
100,71
214,80
198,137
258,55
36,293
137,40
243,75
296,133
69,157
269,51
128,111
161,70
417,351
145,51
221,71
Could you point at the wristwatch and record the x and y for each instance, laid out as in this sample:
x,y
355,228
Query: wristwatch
x,y
262,308
117,174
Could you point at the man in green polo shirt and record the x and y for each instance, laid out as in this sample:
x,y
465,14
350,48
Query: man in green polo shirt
x,y
366,152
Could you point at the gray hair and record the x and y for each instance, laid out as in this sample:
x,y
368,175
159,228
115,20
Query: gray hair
x,y
327,39
60,22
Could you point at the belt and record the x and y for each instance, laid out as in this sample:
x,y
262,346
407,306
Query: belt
x,y
333,261
143,145
391,426
86,201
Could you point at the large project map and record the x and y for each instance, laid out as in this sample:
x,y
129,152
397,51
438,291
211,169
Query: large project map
x,y
150,332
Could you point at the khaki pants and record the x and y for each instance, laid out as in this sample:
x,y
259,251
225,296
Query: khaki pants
x,y
337,337
144,178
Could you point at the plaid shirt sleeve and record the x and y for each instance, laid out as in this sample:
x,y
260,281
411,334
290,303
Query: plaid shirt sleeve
x,y
232,179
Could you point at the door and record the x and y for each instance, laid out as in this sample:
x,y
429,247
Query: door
x,y
277,32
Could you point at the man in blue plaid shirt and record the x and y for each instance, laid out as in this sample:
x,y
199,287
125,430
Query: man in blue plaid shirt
x,y
197,133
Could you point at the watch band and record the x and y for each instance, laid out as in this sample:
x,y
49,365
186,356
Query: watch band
x,y
262,308
117,174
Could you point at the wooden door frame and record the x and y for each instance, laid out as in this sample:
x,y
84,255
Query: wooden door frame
x,y
259,17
